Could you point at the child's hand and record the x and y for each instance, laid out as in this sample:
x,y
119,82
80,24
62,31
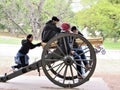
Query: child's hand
x,y
39,44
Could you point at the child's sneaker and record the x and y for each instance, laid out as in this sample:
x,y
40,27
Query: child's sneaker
x,y
13,68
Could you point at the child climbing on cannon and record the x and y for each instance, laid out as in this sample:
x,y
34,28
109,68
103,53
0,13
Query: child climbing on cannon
x,y
22,59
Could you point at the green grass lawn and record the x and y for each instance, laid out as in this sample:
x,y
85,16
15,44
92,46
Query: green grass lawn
x,y
12,40
9,40
108,43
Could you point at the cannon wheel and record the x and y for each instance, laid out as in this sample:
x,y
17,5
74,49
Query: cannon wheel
x,y
61,67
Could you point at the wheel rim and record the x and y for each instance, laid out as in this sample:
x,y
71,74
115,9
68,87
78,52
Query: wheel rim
x,y
60,68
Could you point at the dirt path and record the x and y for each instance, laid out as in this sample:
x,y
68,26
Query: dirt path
x,y
113,80
108,70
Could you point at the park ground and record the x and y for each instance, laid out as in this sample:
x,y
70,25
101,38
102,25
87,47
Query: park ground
x,y
107,68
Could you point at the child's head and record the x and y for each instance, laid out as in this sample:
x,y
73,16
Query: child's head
x,y
74,29
55,19
65,27
30,37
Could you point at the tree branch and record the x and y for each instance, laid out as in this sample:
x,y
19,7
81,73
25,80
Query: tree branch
x,y
14,22
40,6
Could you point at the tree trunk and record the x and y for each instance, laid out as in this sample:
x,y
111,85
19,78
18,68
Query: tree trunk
x,y
34,20
115,39
8,16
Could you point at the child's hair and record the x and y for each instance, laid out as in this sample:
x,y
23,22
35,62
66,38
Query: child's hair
x,y
73,28
29,36
55,18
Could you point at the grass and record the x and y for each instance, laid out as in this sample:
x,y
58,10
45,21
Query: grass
x,y
109,44
10,40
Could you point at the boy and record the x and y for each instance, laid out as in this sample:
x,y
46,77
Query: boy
x,y
77,49
50,29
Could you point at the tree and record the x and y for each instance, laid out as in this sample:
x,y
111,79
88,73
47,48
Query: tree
x,y
35,14
102,16
30,15
12,17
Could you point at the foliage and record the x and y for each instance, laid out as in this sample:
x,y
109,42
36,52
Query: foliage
x,y
56,7
23,16
30,16
103,16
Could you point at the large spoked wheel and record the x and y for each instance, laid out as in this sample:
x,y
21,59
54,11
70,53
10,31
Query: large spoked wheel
x,y
63,68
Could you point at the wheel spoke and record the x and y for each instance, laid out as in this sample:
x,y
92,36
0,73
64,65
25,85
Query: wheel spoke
x,y
65,74
73,40
52,64
60,50
88,56
55,53
79,65
72,74
84,52
59,71
84,60
81,44
77,71
59,67
85,48
55,66
53,60
65,46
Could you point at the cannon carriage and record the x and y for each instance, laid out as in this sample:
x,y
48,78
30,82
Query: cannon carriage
x,y
60,67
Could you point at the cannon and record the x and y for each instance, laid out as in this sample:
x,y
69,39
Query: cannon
x,y
60,67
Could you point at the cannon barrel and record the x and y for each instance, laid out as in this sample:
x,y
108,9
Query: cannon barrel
x,y
21,71
93,41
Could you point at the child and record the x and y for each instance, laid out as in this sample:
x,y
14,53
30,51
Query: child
x,y
66,29
50,29
79,50
22,58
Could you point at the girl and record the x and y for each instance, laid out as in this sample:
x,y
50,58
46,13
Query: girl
x,y
22,58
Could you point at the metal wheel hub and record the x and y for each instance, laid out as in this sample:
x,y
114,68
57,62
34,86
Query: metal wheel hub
x,y
68,60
